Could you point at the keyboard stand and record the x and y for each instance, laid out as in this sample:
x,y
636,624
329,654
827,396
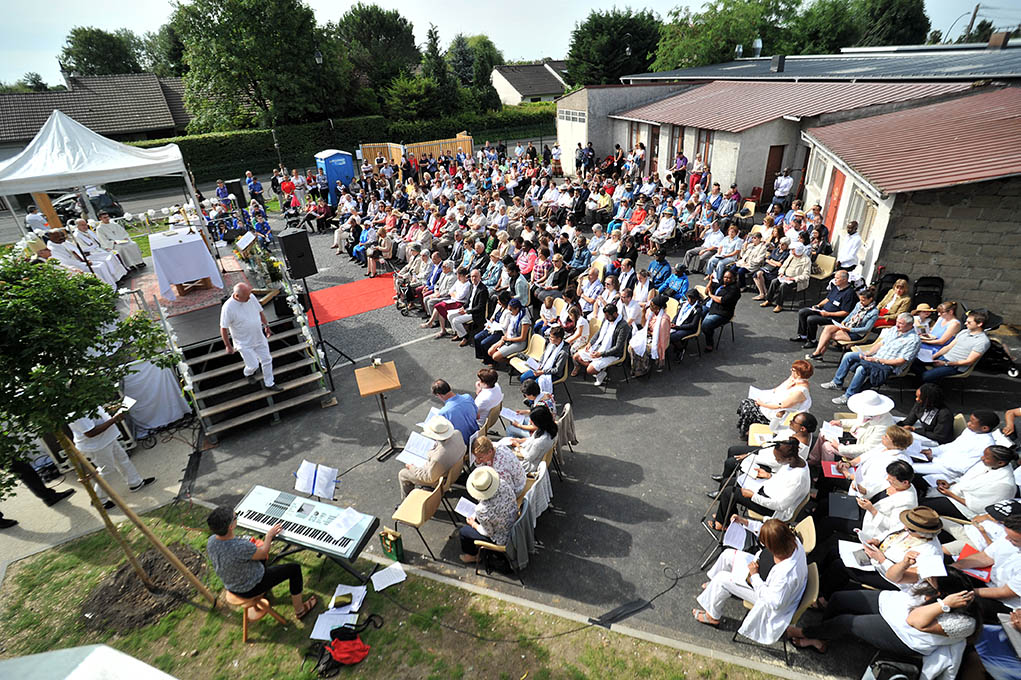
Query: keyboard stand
x,y
346,564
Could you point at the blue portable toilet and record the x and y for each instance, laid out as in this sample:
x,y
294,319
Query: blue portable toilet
x,y
335,165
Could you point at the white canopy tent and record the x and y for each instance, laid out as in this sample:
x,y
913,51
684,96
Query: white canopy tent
x,y
92,662
65,153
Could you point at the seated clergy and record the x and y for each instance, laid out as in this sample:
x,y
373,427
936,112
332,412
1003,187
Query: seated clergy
x,y
113,236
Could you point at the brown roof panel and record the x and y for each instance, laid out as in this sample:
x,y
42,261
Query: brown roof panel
x,y
965,140
738,106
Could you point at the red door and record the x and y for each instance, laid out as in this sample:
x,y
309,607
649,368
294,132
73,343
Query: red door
x,y
774,164
836,189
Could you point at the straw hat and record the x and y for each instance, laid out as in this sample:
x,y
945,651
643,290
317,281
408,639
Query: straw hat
x,y
870,403
924,307
483,483
438,428
922,519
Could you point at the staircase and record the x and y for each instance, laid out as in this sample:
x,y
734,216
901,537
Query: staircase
x,y
226,400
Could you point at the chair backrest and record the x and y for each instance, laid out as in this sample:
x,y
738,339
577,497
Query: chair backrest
x,y
494,415
601,266
960,422
453,473
697,332
826,264
536,346
886,282
806,530
548,456
558,305
810,595
529,483
433,502
755,195
672,306
593,327
701,290
748,205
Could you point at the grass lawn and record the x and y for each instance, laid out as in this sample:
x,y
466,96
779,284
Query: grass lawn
x,y
41,597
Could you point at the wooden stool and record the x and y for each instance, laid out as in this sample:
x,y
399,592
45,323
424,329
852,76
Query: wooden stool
x,y
252,609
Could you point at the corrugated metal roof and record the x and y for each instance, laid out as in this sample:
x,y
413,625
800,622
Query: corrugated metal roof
x,y
933,65
734,107
962,141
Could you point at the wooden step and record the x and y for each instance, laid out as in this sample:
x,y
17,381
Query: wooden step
x,y
239,364
277,370
269,410
289,333
260,393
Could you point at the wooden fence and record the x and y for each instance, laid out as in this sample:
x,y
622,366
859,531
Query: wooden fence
x,y
393,152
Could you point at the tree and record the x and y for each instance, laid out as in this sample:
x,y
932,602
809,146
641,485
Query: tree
x,y
894,22
94,52
935,38
380,44
608,45
461,60
435,68
710,36
979,34
824,27
485,56
240,74
163,52
410,98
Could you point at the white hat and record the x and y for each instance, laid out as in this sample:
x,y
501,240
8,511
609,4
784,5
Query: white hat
x,y
483,483
438,428
799,249
870,403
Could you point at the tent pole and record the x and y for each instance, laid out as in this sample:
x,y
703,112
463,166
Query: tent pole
x,y
14,215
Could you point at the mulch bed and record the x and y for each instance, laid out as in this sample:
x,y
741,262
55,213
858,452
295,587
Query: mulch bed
x,y
122,603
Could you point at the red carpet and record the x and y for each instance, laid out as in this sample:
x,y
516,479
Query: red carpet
x,y
349,299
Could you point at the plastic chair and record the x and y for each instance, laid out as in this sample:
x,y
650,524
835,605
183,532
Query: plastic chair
x,y
558,305
810,595
418,508
521,524
805,529
960,422
962,376
755,433
672,305
491,418
536,346
258,606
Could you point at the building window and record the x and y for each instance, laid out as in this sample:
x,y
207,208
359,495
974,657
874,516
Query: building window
x,y
816,169
704,146
634,135
535,99
570,116
863,210
678,144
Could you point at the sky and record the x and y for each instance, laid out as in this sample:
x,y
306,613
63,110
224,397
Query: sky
x,y
32,33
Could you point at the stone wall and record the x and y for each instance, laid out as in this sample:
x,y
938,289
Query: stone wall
x,y
969,235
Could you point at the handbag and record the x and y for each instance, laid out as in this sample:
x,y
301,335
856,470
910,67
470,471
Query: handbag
x,y
392,544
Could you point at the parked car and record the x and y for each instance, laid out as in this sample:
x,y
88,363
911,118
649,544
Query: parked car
x,y
69,206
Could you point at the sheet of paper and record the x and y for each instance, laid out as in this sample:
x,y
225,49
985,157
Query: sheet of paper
x,y
932,479
847,550
914,451
750,481
384,578
416,450
857,476
740,567
759,395
930,565
734,537
329,620
832,432
760,438
509,414
545,384
129,402
432,412
357,594
1012,633
343,522
925,355
465,507
305,477
975,537
325,482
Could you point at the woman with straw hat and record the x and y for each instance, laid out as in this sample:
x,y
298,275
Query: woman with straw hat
x,y
494,515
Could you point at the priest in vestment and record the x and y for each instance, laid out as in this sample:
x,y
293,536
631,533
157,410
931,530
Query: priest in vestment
x,y
113,236
88,243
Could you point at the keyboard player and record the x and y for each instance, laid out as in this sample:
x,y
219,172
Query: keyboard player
x,y
241,564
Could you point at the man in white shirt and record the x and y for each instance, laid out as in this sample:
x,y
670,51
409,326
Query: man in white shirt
x,y
488,394
113,236
950,461
96,437
67,253
696,258
782,186
35,220
850,248
1004,556
985,483
242,315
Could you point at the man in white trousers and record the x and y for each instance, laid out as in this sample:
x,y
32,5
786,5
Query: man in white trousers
x,y
242,315
97,438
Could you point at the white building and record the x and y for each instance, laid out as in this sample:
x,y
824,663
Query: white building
x,y
542,82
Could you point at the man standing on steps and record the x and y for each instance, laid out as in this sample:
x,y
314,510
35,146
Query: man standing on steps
x,y
242,315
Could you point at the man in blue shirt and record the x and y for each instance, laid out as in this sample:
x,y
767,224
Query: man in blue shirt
x,y
459,409
659,270
838,303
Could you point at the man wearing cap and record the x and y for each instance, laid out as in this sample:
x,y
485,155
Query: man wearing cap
x,y
446,453
782,186
950,461
113,236
459,409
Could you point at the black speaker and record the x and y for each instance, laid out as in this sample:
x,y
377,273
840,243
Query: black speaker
x,y
240,191
283,308
297,253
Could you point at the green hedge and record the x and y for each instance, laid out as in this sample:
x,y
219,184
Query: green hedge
x,y
226,155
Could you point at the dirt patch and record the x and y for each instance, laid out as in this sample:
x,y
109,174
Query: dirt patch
x,y
122,603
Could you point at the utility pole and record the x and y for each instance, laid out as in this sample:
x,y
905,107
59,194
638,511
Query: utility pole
x,y
971,24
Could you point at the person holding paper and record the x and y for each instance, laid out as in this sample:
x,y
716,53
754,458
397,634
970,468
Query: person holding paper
x,y
802,428
775,493
772,406
775,598
492,330
987,482
533,396
501,459
952,460
444,457
553,362
241,563
856,326
946,327
929,416
867,472
494,516
532,449
880,514
488,394
873,417
1003,592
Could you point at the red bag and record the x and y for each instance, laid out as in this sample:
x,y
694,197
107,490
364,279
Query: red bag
x,y
348,652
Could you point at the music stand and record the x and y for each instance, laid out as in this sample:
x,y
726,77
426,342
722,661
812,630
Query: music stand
x,y
376,380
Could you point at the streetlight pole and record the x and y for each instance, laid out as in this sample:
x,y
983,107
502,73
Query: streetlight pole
x,y
319,77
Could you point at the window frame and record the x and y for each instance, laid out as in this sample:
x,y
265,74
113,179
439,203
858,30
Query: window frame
x,y
863,208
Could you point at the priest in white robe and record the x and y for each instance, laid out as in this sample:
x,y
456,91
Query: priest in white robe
x,y
67,254
88,243
113,236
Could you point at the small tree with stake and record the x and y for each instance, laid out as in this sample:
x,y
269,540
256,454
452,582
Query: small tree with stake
x,y
63,352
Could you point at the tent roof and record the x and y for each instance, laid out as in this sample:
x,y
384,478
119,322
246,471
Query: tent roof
x,y
65,153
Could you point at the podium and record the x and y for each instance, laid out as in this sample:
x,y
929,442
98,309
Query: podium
x,y
377,381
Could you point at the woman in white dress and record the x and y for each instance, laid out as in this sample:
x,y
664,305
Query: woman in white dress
x,y
790,396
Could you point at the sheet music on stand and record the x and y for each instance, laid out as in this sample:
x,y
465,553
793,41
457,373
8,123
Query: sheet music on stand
x,y
316,480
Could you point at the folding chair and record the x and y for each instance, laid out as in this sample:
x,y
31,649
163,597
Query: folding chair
x,y
494,415
536,346
961,376
810,595
522,524
418,508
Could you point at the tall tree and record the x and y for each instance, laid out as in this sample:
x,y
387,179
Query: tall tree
x,y
824,27
241,74
33,82
461,60
94,52
935,38
380,44
710,36
163,52
894,22
435,67
410,97
610,44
